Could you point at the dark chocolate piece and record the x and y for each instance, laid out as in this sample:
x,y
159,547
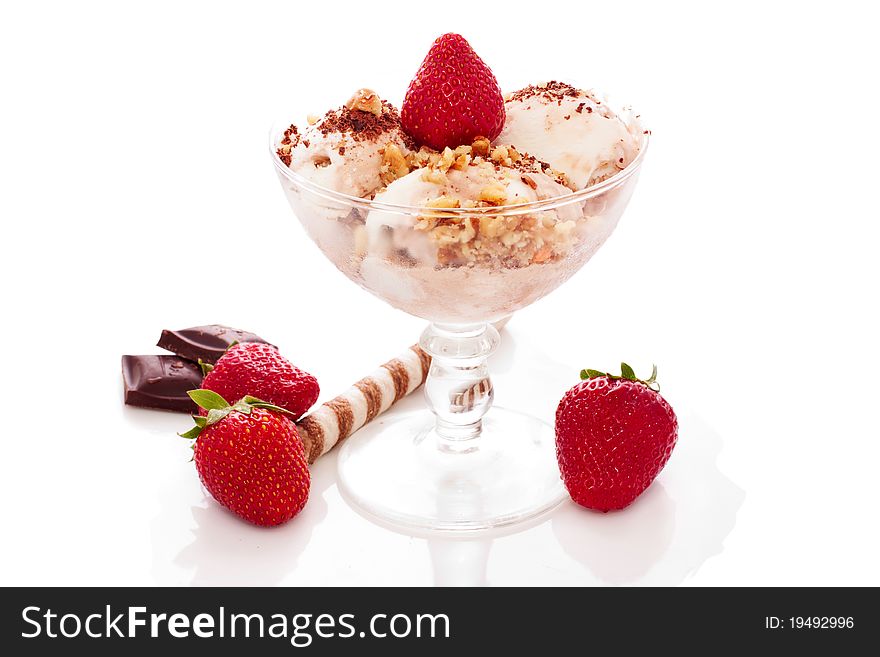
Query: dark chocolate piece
x,y
160,382
204,342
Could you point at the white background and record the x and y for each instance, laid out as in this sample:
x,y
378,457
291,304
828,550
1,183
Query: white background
x,y
138,194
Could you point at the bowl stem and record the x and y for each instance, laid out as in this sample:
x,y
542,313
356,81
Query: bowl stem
x,y
458,389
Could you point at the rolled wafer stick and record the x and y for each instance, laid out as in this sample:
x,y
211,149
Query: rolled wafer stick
x,y
337,419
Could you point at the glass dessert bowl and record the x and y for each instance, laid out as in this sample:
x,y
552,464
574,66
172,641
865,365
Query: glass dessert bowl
x,y
459,466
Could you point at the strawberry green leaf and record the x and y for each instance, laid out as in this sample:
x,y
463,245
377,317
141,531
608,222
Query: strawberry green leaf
x,y
205,367
591,374
192,434
259,403
208,399
217,414
243,407
626,372
200,421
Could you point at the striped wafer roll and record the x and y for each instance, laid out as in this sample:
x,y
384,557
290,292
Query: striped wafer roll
x,y
340,417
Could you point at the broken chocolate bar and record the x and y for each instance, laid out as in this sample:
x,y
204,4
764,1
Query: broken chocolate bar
x,y
160,382
206,343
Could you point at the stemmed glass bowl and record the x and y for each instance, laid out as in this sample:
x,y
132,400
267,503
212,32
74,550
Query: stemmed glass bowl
x,y
457,466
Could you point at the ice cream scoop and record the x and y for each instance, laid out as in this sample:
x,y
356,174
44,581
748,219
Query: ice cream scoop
x,y
348,150
572,130
459,239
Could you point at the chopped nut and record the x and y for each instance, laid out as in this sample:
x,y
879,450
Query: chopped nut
x,y
564,228
394,165
468,232
514,154
312,119
446,159
480,147
528,180
461,162
321,161
365,100
426,223
499,154
446,235
494,193
447,256
434,176
443,202
491,226
511,238
462,157
543,254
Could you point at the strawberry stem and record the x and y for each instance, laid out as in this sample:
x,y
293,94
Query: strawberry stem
x,y
218,408
626,372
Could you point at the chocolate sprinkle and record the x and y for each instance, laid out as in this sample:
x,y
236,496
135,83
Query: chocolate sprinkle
x,y
552,91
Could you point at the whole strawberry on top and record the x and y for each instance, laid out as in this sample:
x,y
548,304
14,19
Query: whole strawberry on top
x,y
250,458
257,369
453,98
613,436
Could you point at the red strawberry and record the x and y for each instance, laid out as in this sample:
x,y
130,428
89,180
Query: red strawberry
x,y
613,436
453,98
253,368
250,458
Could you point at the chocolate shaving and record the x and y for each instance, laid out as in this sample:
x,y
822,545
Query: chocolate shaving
x,y
361,125
553,91
288,142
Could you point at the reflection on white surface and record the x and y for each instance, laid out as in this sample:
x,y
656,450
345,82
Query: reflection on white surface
x,y
225,550
664,536
460,562
667,534
619,548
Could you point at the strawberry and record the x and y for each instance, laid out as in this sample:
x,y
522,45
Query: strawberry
x,y
613,436
253,368
453,98
250,458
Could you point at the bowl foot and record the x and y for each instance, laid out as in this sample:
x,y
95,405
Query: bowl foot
x,y
401,471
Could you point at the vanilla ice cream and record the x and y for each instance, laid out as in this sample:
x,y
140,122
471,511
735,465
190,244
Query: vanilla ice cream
x,y
451,239
349,150
572,130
